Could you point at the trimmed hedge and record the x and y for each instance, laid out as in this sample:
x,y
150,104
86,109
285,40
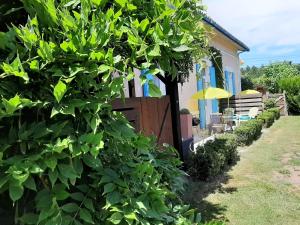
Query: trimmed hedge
x,y
211,158
248,131
276,111
214,156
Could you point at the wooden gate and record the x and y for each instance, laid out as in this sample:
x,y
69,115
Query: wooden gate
x,y
151,116
281,103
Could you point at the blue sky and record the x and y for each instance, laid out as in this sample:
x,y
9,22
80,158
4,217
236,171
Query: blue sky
x,y
271,28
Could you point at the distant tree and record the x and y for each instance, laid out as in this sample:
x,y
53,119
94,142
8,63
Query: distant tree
x,y
246,83
269,75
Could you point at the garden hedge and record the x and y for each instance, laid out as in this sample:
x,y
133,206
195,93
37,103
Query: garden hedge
x,y
213,157
248,131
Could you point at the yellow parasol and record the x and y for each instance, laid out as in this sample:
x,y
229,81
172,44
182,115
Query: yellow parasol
x,y
249,92
211,93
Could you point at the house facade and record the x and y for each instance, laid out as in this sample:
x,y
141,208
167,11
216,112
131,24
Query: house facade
x,y
230,49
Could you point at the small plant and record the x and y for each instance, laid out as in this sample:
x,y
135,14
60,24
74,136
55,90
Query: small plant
x,y
270,103
213,157
185,111
248,131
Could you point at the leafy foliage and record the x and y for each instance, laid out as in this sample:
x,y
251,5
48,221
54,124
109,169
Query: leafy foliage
x,y
213,157
65,156
291,85
269,76
248,131
216,58
269,103
246,83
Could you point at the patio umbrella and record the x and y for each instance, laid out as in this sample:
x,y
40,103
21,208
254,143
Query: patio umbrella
x,y
249,92
211,93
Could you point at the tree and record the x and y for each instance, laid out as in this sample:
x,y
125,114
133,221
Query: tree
x,y
65,156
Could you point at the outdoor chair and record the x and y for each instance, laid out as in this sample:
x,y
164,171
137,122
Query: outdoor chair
x,y
229,119
253,112
216,123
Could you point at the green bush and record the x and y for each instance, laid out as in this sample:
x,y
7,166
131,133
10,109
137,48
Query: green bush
x,y
291,85
276,112
66,157
268,118
248,131
211,158
185,111
269,103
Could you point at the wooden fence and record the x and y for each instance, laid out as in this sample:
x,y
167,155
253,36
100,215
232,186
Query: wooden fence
x,y
151,116
281,103
242,104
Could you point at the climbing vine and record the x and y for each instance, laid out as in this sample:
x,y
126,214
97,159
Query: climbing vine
x,y
216,59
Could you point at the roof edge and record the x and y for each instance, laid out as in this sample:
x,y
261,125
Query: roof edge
x,y
214,24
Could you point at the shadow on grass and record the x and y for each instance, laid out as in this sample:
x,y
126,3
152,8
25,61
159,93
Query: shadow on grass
x,y
197,191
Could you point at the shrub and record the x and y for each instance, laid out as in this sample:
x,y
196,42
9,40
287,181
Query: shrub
x,y
184,111
248,131
268,118
269,103
292,87
66,157
211,158
276,112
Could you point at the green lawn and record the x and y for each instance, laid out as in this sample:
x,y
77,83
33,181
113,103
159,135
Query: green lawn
x,y
263,188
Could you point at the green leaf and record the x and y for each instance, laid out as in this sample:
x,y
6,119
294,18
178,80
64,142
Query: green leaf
x,y
51,163
12,104
30,183
131,216
67,171
15,192
116,218
34,65
154,91
59,91
15,68
103,68
131,7
86,216
113,198
182,48
109,188
97,2
53,175
155,51
29,218
144,23
88,203
122,3
60,193
70,207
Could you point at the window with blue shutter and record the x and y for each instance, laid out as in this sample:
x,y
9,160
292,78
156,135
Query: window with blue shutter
x,y
201,103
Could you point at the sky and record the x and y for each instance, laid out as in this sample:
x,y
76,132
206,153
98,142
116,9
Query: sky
x,y
270,28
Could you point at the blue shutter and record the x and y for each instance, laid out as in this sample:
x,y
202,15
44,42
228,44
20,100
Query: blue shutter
x,y
227,80
201,103
146,85
233,84
213,83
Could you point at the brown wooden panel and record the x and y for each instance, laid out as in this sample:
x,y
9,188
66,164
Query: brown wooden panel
x,y
165,134
149,116
247,96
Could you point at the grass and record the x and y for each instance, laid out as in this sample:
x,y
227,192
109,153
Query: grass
x,y
263,188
